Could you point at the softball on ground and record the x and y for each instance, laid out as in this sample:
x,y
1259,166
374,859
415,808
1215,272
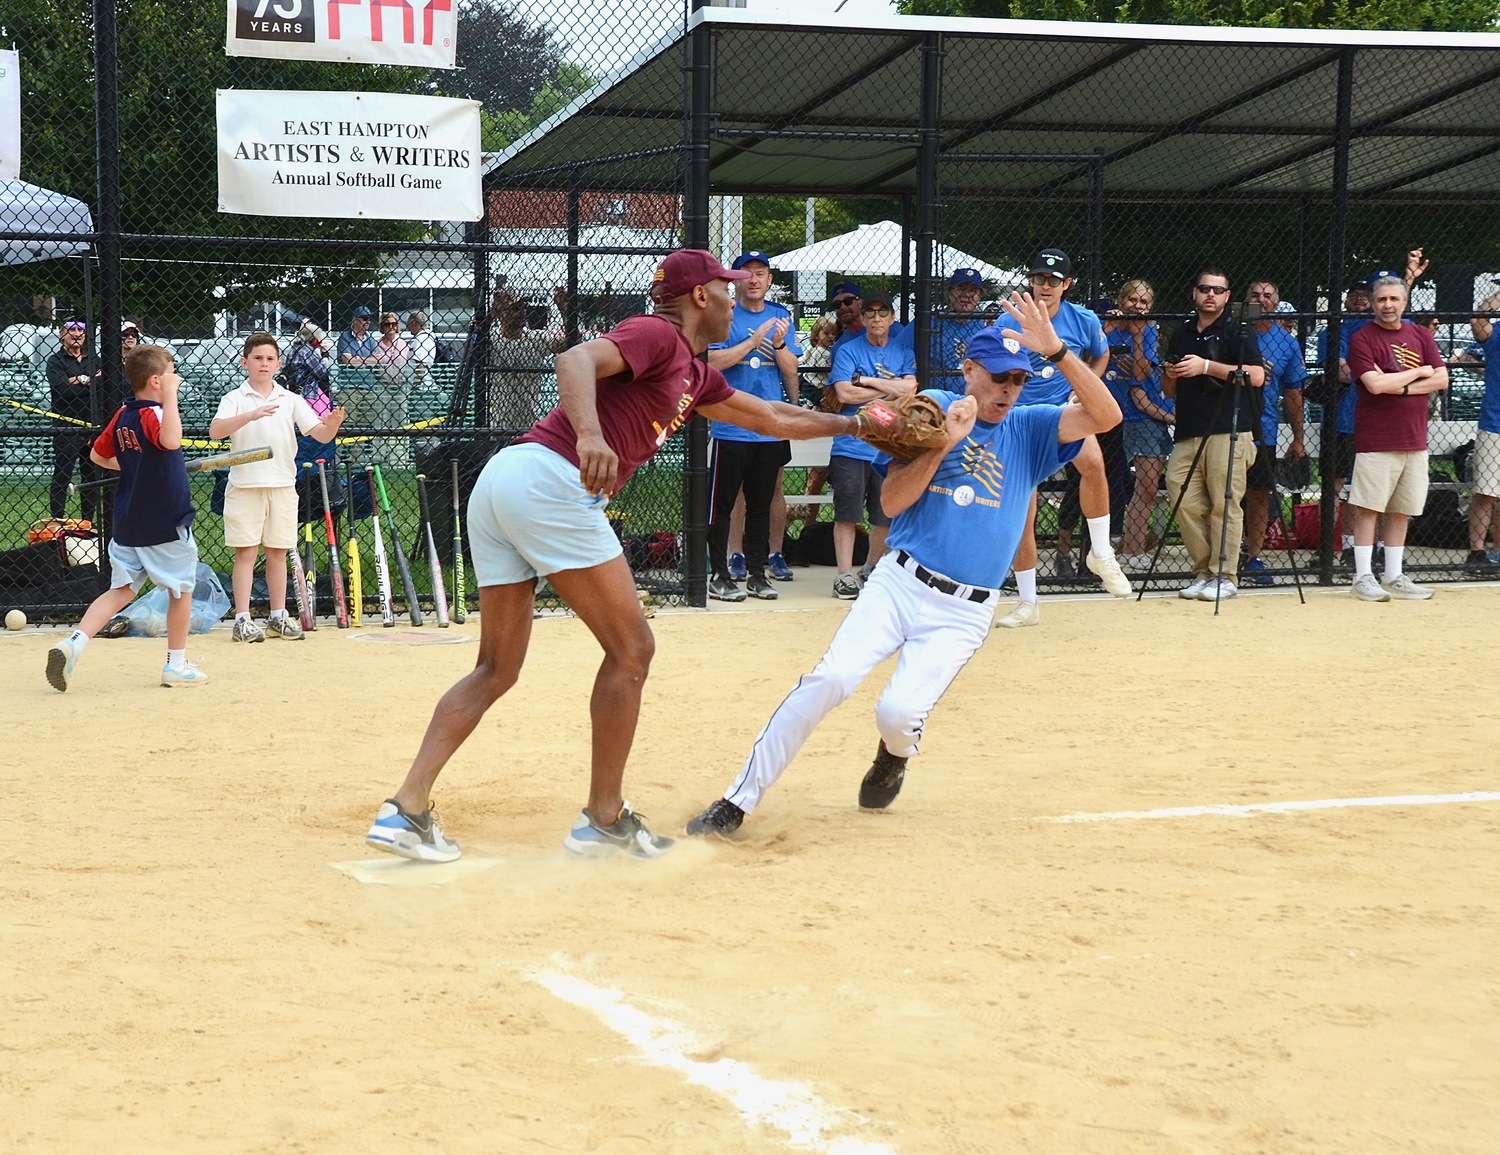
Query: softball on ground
x,y
15,620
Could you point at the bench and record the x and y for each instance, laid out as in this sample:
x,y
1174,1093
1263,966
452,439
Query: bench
x,y
807,455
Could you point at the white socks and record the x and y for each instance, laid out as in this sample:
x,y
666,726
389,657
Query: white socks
x,y
1026,585
1393,555
78,639
177,658
1362,556
1099,536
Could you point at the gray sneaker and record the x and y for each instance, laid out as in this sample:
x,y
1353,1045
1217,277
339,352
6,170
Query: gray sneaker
x,y
245,630
627,835
1402,588
284,626
846,587
1367,589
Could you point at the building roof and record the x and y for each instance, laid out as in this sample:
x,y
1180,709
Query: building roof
x,y
1172,111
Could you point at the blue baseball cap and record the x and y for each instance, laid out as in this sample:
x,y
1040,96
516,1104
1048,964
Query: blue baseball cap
x,y
1378,273
966,277
362,312
850,287
753,255
997,352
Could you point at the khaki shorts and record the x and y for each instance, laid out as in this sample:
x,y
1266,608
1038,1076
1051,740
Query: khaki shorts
x,y
1390,482
261,516
1486,463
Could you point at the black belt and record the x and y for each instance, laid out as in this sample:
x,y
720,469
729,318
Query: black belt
x,y
941,584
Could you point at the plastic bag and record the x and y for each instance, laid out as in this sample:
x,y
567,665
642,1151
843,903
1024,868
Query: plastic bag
x,y
146,617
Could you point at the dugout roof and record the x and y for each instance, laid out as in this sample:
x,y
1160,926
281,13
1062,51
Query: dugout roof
x,y
814,108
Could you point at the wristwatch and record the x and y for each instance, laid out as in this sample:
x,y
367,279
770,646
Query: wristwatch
x,y
1056,358
854,377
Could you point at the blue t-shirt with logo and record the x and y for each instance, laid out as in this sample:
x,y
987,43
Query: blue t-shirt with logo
x,y
1281,353
1489,409
756,373
969,521
1120,379
1080,329
859,356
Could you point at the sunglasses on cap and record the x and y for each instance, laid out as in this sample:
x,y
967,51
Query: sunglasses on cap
x,y
79,325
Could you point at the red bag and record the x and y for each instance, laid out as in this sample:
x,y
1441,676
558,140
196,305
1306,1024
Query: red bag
x,y
1307,526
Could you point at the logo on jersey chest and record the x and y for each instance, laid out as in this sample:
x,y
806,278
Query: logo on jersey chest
x,y
963,495
684,403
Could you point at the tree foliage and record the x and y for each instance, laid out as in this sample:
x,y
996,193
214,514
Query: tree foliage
x,y
1422,15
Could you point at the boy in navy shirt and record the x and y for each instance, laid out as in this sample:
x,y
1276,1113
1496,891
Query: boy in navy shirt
x,y
153,534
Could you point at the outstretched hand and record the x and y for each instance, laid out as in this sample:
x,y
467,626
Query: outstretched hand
x,y
1036,332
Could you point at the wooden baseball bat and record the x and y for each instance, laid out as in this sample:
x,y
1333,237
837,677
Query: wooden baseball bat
x,y
460,609
201,465
434,567
335,567
356,575
382,567
412,608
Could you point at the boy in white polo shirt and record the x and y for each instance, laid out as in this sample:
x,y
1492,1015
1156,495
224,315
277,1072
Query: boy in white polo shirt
x,y
260,507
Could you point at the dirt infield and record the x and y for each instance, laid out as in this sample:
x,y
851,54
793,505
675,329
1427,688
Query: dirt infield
x,y
184,969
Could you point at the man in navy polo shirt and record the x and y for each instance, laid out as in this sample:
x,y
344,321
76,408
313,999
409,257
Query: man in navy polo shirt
x,y
759,358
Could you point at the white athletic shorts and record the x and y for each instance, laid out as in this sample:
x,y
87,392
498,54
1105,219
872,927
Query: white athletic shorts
x,y
260,515
529,516
1486,463
173,566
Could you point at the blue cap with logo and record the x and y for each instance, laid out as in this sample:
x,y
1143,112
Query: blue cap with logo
x,y
753,255
846,289
997,352
1378,273
967,277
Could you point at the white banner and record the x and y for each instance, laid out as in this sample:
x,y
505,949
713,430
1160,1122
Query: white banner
x,y
418,32
349,154
10,115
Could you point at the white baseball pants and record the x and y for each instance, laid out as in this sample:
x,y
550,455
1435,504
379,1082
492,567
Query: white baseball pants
x,y
936,633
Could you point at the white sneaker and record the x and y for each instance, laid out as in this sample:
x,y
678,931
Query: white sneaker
x,y
1190,592
1107,569
1402,588
60,661
1025,614
187,674
1226,590
1136,560
1367,589
245,630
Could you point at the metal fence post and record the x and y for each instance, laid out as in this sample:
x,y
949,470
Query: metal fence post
x,y
1337,226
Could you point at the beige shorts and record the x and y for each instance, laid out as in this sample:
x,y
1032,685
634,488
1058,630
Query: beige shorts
x,y
261,516
1486,463
1390,482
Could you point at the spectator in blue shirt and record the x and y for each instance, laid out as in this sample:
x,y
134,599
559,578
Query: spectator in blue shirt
x,y
1281,354
1486,457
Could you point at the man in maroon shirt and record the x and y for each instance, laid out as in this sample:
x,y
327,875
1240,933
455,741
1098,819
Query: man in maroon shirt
x,y
537,511
1395,365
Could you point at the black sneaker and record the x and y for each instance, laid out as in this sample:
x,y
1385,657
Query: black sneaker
x,y
1346,558
722,589
1478,564
722,818
757,587
1065,569
882,780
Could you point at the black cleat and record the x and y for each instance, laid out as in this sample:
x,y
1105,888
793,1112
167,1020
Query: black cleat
x,y
757,587
720,588
882,781
722,818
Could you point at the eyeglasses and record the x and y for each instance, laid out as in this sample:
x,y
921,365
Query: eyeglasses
x,y
1212,288
877,311
1046,279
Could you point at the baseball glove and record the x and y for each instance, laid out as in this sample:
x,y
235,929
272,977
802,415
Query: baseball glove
x,y
903,429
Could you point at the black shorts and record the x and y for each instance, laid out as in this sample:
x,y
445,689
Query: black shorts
x,y
1262,470
1343,455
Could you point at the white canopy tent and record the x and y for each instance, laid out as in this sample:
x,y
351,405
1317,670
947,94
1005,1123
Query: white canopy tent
x,y
29,208
875,251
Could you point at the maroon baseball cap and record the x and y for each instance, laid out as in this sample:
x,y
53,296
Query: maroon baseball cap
x,y
686,269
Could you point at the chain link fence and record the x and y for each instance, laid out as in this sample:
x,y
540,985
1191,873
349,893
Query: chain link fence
x,y
438,338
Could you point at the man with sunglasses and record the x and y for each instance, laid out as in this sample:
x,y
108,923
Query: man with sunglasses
x,y
1051,277
847,300
959,511
1202,355
866,367
72,373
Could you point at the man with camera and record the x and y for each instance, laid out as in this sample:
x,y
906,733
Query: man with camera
x,y
1215,373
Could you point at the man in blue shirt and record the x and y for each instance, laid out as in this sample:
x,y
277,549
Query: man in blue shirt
x,y
952,329
959,512
866,367
1486,458
847,299
1281,354
759,358
1051,277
